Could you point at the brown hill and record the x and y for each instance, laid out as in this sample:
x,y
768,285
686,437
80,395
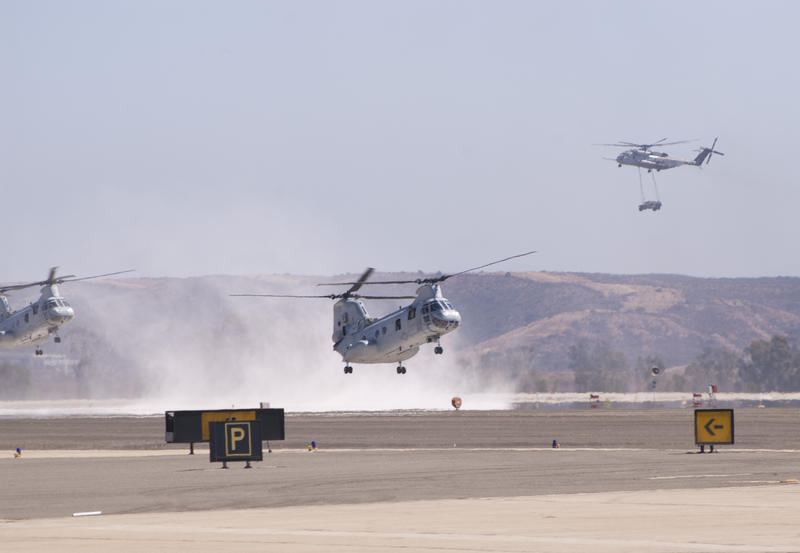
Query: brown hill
x,y
133,335
673,317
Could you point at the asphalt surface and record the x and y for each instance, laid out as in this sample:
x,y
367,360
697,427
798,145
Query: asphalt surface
x,y
771,428
622,480
366,457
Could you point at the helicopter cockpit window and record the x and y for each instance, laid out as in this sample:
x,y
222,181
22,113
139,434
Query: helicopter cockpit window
x,y
52,304
436,306
412,312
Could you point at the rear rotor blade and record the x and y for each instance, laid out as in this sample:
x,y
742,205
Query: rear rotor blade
x,y
383,297
52,279
68,278
362,279
445,277
442,278
328,296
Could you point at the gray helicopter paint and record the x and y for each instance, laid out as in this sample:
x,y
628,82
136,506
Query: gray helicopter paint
x,y
658,161
642,156
395,337
398,335
36,323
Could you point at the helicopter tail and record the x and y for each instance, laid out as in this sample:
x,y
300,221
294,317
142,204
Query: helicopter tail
x,y
5,310
348,318
705,154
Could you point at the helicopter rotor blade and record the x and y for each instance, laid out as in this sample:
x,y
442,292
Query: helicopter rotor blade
x,y
383,297
361,280
712,151
68,278
328,296
53,279
645,147
354,286
365,283
445,277
442,278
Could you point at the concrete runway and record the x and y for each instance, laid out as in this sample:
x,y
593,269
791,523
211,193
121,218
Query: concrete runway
x,y
467,481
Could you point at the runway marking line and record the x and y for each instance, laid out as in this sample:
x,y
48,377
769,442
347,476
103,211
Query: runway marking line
x,y
680,476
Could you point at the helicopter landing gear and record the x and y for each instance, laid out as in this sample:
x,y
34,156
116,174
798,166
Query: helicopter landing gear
x,y
57,339
401,369
38,352
438,350
348,369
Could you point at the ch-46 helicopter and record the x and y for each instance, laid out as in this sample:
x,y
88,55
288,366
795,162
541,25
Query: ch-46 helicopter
x,y
642,155
395,337
34,324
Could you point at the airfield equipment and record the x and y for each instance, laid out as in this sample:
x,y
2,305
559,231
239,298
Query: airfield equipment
x,y
33,325
395,337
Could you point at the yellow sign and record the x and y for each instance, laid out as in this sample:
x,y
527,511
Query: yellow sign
x,y
222,416
713,426
236,432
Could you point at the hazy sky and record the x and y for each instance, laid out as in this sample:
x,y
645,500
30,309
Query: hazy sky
x,y
195,137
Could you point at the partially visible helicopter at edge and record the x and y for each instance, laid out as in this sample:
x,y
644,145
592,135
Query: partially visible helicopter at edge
x,y
34,324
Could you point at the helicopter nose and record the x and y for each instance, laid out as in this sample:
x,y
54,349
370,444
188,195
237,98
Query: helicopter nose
x,y
446,321
60,314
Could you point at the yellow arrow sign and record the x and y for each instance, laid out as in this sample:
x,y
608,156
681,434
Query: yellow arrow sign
x,y
713,426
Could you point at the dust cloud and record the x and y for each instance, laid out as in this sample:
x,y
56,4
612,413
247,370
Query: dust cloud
x,y
185,343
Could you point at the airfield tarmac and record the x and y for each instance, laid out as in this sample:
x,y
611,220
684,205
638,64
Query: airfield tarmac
x,y
622,480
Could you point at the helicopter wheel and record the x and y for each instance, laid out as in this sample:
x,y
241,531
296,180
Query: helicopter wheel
x,y
438,350
401,369
38,352
348,369
57,339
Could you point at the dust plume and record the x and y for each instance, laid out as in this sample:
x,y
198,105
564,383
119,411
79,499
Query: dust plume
x,y
185,343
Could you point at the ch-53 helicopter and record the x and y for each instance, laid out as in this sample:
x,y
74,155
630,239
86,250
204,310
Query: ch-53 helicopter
x,y
642,155
34,324
395,337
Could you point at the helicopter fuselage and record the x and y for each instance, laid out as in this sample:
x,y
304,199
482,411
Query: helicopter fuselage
x,y
648,159
35,323
651,160
396,336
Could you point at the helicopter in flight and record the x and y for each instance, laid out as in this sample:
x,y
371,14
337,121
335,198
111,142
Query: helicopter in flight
x,y
395,337
642,155
34,324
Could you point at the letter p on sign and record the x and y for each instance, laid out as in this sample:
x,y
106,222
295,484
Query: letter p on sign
x,y
237,435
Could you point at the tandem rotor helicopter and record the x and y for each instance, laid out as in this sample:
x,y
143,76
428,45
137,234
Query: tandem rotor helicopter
x,y
33,325
395,337
644,157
